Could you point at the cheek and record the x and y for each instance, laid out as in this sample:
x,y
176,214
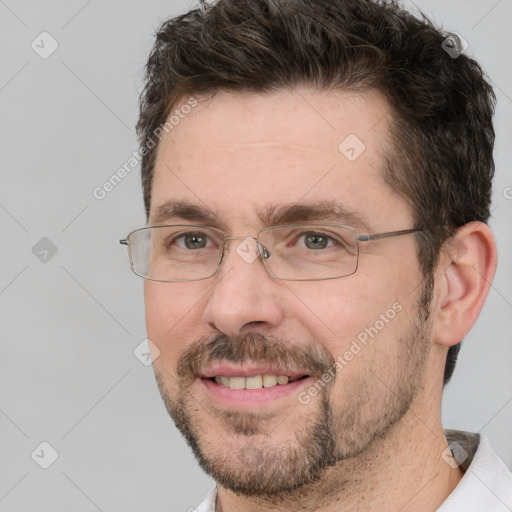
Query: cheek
x,y
172,316
357,319
340,309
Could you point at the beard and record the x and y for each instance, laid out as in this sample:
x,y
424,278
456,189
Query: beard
x,y
242,452
255,466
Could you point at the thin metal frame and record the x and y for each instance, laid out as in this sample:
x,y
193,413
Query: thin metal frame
x,y
264,253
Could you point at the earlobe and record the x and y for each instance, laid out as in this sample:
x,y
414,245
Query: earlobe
x,y
466,269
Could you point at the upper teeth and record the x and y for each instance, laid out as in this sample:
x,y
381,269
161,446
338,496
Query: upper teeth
x,y
256,382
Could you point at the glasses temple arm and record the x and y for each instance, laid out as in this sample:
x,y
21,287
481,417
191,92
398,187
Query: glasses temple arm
x,y
378,236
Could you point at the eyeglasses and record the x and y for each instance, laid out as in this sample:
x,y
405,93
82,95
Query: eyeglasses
x,y
303,252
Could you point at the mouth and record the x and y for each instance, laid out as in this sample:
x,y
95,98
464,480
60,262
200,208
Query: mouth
x,y
243,386
256,381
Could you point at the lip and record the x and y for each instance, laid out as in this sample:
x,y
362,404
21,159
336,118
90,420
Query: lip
x,y
230,370
251,398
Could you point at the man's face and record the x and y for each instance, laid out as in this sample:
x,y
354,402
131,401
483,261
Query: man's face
x,y
239,157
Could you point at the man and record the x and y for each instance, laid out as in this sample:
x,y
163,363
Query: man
x,y
317,180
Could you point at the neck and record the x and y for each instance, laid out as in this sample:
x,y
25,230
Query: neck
x,y
402,471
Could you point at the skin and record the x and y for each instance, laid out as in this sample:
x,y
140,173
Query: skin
x,y
238,153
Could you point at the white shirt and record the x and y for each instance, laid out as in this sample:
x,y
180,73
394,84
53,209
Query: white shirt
x,y
485,487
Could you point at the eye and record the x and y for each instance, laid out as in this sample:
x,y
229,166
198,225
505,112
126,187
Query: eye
x,y
315,241
193,241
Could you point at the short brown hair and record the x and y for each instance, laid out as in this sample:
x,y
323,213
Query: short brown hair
x,y
441,161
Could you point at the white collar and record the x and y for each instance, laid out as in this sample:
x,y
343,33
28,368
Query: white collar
x,y
487,482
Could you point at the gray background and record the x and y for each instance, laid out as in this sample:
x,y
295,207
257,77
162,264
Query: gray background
x,y
70,324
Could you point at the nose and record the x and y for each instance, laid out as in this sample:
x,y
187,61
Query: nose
x,y
244,297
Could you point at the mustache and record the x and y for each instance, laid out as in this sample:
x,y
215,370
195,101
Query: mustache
x,y
310,358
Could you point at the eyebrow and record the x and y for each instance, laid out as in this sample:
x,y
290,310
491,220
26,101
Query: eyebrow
x,y
324,211
183,210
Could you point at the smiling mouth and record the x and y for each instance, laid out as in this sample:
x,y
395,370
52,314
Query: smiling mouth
x,y
255,382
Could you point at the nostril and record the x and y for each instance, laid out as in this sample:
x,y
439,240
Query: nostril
x,y
254,323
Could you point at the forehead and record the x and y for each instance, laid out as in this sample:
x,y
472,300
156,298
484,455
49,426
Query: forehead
x,y
241,155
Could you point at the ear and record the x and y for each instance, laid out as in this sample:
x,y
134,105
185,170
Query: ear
x,y
463,279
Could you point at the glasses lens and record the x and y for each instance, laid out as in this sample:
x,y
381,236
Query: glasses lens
x,y
309,252
175,253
